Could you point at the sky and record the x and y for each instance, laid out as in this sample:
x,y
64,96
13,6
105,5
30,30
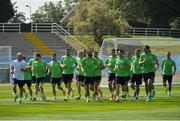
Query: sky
x,y
21,6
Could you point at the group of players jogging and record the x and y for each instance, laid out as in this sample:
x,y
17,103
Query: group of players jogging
x,y
122,69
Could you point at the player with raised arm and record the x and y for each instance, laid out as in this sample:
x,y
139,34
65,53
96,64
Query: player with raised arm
x,y
68,63
39,67
149,64
167,73
55,70
136,77
121,68
89,66
110,63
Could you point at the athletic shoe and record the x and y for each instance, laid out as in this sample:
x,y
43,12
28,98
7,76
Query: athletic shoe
x,y
25,96
148,99
20,102
78,97
34,99
15,98
66,98
117,99
111,97
87,99
169,93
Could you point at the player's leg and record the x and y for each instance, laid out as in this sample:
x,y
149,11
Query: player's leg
x,y
60,87
151,84
111,85
24,91
138,81
79,80
169,84
53,86
118,79
164,83
21,89
87,87
37,81
14,86
133,83
29,84
127,88
41,82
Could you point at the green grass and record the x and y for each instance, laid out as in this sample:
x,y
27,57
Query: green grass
x,y
162,107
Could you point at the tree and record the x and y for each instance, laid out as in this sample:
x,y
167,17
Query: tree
x,y
19,17
94,17
49,12
6,10
154,13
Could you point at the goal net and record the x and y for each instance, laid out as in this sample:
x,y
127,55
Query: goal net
x,y
5,60
159,46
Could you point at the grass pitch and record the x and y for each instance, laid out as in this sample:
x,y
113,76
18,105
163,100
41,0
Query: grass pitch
x,y
162,107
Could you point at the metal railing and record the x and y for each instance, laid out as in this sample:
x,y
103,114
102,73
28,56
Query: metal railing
x,y
67,37
10,27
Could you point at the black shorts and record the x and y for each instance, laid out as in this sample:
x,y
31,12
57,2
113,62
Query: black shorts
x,y
33,79
67,78
121,80
136,78
128,78
80,78
28,82
56,81
97,79
40,80
112,77
149,76
20,83
167,78
89,80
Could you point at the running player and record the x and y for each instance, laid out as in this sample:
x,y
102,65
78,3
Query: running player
x,y
149,64
167,72
39,67
68,63
100,67
79,76
110,62
121,69
28,80
136,77
89,65
55,71
128,56
16,68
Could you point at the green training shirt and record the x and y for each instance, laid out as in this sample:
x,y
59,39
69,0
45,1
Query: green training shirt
x,y
90,65
135,66
39,68
69,63
168,63
111,60
79,65
100,66
122,65
30,63
56,70
149,64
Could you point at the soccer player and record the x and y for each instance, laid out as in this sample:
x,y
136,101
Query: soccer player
x,y
89,65
28,80
68,63
149,64
128,56
100,67
136,77
16,68
55,70
167,72
121,68
79,76
110,62
39,67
